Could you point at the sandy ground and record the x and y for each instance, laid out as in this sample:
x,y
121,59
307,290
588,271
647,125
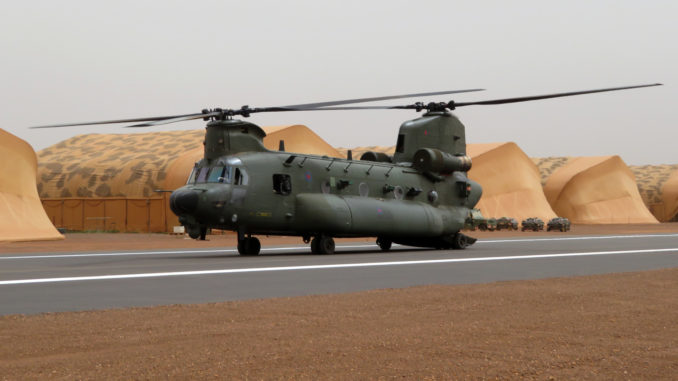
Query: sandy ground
x,y
620,326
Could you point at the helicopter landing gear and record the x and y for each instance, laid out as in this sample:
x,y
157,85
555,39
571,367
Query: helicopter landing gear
x,y
322,244
249,246
461,241
384,244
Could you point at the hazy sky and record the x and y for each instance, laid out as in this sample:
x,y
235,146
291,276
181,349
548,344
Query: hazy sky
x,y
72,61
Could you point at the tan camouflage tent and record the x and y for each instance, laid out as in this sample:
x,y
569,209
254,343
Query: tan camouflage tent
x,y
22,217
658,186
593,190
511,182
121,182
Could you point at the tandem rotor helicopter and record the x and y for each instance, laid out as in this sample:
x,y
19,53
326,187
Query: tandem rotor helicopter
x,y
419,197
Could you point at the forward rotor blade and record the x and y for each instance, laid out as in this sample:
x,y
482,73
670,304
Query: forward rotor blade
x,y
176,119
113,121
374,99
547,96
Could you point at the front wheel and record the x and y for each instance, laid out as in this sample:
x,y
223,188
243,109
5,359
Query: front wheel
x,y
384,244
249,246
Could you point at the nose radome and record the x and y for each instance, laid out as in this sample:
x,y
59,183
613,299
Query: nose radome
x,y
183,201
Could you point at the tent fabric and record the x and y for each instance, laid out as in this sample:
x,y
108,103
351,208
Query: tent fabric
x,y
596,190
111,165
658,186
298,138
511,182
22,217
547,165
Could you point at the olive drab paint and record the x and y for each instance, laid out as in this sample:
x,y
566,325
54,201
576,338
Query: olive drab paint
x,y
313,196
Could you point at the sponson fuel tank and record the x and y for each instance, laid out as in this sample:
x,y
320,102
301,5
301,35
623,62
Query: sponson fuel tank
x,y
371,216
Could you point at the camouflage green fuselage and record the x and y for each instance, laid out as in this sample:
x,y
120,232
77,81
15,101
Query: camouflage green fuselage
x,y
332,196
241,186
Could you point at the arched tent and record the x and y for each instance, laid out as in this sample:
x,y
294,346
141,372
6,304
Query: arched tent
x,y
510,180
121,181
658,186
22,217
596,190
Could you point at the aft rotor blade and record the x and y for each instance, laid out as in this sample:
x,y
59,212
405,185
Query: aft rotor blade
x,y
374,99
352,108
176,119
152,118
547,96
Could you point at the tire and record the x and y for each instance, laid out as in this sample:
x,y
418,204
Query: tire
x,y
459,242
314,246
325,245
384,244
249,246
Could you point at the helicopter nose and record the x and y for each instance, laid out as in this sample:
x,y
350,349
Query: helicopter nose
x,y
183,201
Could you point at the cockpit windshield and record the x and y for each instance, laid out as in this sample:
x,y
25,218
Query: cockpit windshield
x,y
218,174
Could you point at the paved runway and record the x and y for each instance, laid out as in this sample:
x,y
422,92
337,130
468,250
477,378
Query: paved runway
x,y
51,282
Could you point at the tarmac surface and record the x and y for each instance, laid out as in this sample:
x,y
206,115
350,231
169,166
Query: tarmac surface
x,y
611,326
72,281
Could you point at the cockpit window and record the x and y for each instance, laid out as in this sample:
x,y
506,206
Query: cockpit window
x,y
220,174
202,175
191,178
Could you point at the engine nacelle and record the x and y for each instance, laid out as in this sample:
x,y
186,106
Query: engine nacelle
x,y
437,161
376,156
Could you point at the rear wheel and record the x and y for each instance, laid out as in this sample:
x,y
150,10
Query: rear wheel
x,y
460,241
322,245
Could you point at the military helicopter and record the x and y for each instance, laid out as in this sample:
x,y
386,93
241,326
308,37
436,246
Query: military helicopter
x,y
419,197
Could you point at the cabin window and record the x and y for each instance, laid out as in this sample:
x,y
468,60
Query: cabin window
x,y
282,184
202,175
400,145
240,177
